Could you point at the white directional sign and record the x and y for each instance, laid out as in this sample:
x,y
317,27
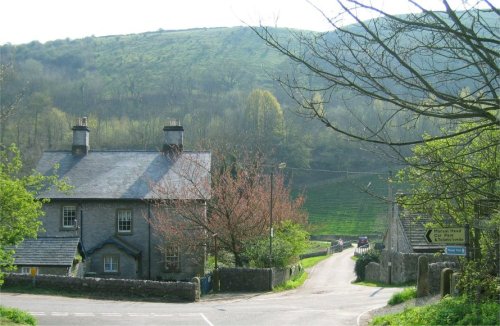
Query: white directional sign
x,y
446,236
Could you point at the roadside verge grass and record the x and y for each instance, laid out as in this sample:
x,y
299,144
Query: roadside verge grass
x,y
448,311
13,316
405,295
311,261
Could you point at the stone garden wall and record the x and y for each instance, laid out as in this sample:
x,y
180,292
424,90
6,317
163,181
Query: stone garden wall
x,y
163,291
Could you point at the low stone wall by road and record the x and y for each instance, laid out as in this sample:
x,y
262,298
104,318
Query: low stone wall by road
x,y
245,279
164,291
255,279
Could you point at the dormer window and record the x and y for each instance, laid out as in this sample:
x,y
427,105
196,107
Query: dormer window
x,y
68,217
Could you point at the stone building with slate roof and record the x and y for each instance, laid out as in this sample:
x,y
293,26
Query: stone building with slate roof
x,y
406,232
49,255
111,201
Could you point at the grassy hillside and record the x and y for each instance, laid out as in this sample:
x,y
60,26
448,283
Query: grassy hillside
x,y
341,207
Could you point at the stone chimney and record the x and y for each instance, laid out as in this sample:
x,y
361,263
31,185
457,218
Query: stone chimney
x,y
173,137
80,137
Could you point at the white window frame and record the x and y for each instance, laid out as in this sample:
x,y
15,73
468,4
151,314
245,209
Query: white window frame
x,y
172,259
124,218
27,270
67,218
111,264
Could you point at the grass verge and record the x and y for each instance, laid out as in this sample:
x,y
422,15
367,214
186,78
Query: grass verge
x,y
309,262
13,316
449,311
405,295
292,284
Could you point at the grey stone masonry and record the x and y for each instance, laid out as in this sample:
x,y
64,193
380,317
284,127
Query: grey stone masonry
x,y
164,291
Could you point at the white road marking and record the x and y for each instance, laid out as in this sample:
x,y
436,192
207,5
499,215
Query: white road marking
x,y
59,314
111,314
84,314
162,315
37,313
138,314
206,319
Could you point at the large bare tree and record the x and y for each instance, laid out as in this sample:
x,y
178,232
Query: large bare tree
x,y
424,68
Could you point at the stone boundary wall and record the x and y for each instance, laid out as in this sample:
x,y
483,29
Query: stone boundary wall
x,y
255,279
435,274
283,275
245,279
405,265
316,253
164,291
330,250
372,272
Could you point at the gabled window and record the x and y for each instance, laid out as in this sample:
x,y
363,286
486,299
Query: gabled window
x,y
111,264
124,221
172,260
68,217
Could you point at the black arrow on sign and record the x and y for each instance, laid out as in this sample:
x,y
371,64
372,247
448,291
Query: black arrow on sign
x,y
428,236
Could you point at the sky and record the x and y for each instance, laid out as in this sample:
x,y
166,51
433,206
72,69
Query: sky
x,y
24,21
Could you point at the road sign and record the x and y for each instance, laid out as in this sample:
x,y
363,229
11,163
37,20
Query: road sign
x,y
446,236
455,251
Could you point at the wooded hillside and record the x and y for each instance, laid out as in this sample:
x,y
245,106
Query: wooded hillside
x,y
218,82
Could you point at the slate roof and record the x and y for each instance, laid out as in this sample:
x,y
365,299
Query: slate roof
x,y
127,174
414,228
121,244
46,251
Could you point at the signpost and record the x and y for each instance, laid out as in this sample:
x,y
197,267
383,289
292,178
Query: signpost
x,y
455,251
446,236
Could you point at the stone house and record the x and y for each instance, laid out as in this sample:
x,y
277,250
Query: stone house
x,y
111,201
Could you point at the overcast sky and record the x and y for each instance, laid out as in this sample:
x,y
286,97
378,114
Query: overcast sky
x,y
23,21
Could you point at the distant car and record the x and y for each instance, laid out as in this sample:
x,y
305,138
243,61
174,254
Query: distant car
x,y
362,242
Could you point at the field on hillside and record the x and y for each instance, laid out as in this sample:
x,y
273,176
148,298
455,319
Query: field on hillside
x,y
342,206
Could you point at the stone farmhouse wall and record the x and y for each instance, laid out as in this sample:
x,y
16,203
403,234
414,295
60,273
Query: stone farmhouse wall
x,y
163,291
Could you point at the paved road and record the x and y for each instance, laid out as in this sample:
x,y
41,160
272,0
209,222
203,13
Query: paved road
x,y
327,298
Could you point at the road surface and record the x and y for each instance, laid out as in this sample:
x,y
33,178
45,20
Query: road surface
x,y
326,298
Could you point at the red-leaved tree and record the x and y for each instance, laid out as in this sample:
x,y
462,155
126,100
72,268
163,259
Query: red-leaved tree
x,y
236,208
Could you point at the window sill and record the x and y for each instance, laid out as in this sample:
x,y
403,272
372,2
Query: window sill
x,y
124,233
68,229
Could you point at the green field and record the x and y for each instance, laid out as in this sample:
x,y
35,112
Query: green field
x,y
341,207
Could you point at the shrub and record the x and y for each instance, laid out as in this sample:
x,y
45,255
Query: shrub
x,y
289,241
17,316
476,283
363,260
